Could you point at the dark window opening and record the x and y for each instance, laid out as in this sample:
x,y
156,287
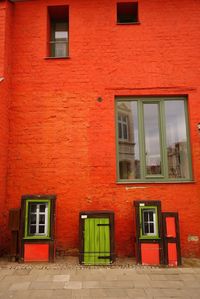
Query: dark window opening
x,y
127,12
59,31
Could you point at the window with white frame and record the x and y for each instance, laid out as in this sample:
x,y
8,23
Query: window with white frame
x,y
38,219
149,227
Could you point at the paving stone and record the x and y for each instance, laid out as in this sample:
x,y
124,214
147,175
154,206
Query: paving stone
x,y
19,286
98,292
44,278
73,285
187,277
61,278
186,270
46,285
41,294
192,284
167,284
153,292
136,293
117,284
18,278
157,277
80,293
141,283
197,276
61,294
22,294
116,293
22,272
124,297
91,284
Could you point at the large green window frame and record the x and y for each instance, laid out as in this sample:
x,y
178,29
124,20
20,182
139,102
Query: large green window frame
x,y
37,219
157,147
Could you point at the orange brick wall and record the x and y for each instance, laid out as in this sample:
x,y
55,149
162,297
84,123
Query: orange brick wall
x,y
62,140
5,64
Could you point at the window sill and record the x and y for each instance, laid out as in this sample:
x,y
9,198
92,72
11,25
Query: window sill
x,y
155,182
37,238
49,58
129,23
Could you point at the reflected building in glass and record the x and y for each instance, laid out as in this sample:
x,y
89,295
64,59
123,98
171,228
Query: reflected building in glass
x,y
129,165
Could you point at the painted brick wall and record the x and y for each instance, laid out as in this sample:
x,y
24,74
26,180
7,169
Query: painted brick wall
x,y
5,64
62,140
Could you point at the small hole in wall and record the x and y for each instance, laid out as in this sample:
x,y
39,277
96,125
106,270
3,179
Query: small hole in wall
x,y
99,99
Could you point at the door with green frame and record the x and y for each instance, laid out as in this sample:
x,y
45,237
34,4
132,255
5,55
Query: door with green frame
x,y
96,232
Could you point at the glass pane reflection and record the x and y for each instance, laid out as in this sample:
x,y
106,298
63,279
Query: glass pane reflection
x,y
177,153
152,139
129,161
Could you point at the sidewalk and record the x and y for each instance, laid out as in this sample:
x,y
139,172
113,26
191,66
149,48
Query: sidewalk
x,y
67,279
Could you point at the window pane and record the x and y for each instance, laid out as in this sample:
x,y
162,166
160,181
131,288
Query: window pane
x,y
60,49
151,216
128,145
120,130
42,208
146,228
125,131
42,219
151,230
145,216
32,229
41,229
61,31
32,218
59,39
177,153
152,139
33,208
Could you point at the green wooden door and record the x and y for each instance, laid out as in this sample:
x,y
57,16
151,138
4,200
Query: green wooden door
x,y
96,241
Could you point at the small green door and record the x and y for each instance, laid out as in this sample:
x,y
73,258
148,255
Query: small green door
x,y
96,241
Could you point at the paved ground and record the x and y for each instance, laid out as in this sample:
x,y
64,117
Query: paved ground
x,y
67,279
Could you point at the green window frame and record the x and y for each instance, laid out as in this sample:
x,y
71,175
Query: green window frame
x,y
172,161
46,214
149,226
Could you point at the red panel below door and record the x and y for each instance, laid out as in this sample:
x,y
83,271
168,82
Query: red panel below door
x,y
36,252
172,254
150,254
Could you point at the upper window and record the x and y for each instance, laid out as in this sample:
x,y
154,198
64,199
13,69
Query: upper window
x,y
59,31
127,12
157,142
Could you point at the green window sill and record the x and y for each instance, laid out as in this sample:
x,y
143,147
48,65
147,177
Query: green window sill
x,y
150,238
157,182
37,238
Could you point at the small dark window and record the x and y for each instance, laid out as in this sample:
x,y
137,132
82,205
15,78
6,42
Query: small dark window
x,y
127,12
59,31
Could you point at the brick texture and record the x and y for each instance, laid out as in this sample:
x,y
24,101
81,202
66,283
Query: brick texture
x,y
62,140
5,64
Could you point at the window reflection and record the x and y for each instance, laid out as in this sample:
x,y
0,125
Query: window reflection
x,y
152,139
176,135
129,163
